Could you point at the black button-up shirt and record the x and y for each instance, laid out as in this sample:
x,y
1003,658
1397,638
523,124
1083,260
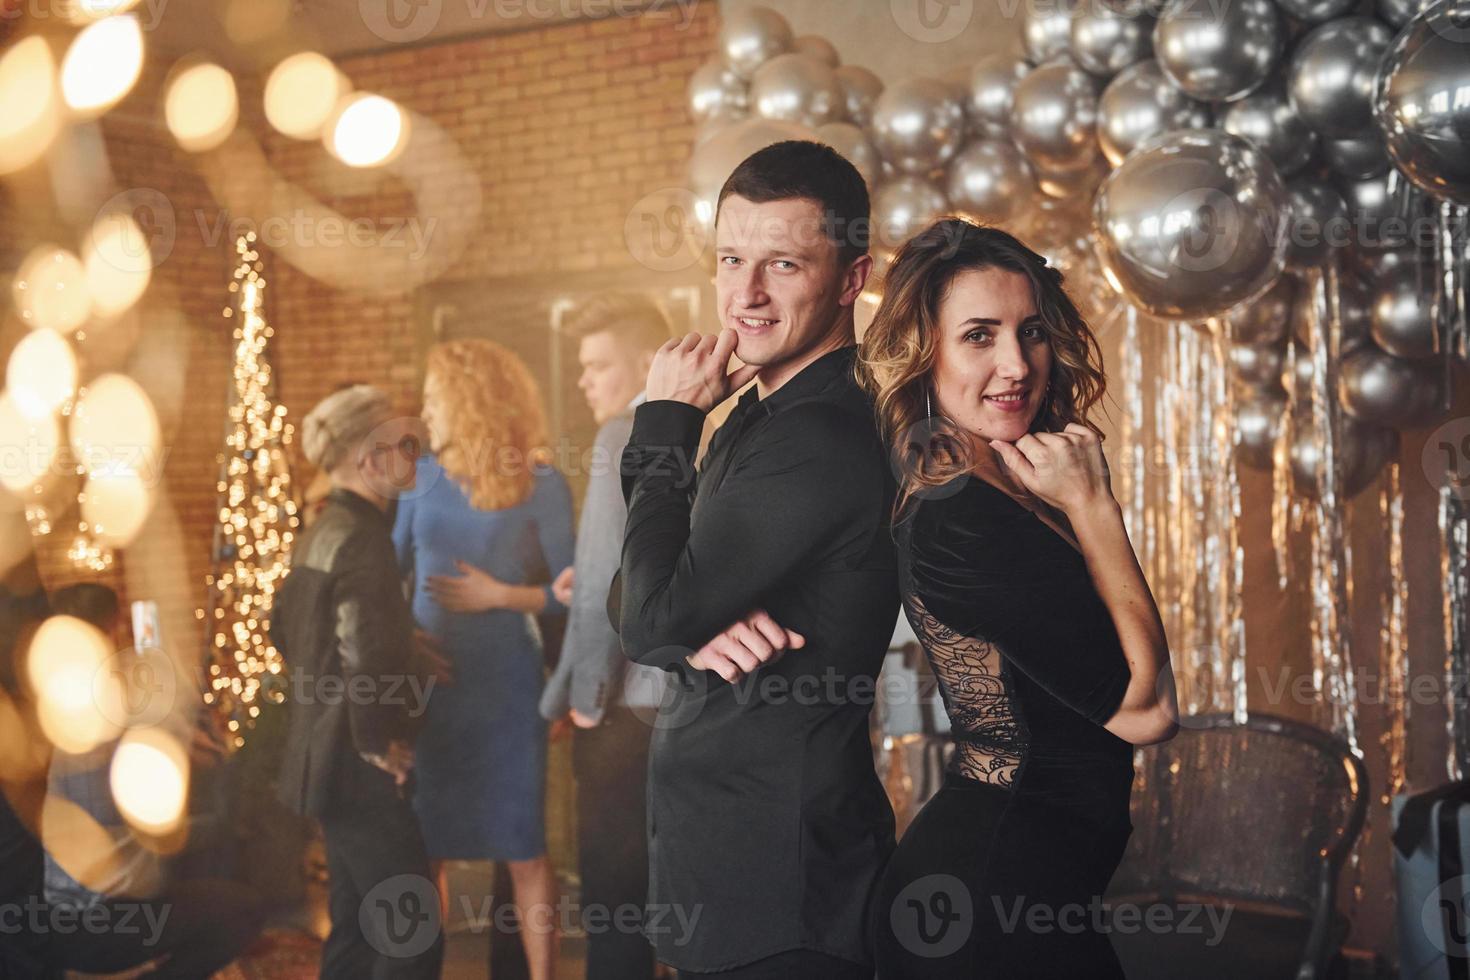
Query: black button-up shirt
x,y
767,823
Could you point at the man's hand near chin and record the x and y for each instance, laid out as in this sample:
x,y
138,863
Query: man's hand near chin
x,y
692,370
745,646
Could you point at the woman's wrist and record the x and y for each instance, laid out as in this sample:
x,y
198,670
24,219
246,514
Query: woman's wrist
x,y
1100,511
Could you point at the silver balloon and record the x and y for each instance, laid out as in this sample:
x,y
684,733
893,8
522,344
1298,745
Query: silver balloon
x,y
1258,367
751,37
1258,417
1377,387
1141,103
1403,314
1046,28
1374,212
992,92
904,207
1316,11
1397,13
1319,223
990,181
1217,52
717,157
1375,265
1363,450
1107,39
1192,223
918,125
1266,118
797,88
1072,185
1357,157
1331,75
1054,117
854,144
1263,322
1422,101
716,92
860,89
816,46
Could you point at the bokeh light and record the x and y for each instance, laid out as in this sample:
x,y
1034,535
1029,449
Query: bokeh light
x,y
86,11
50,289
31,446
115,503
102,65
77,695
28,91
368,131
301,94
114,422
201,107
42,373
118,263
150,780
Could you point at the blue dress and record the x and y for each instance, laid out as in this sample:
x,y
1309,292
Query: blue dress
x,y
481,756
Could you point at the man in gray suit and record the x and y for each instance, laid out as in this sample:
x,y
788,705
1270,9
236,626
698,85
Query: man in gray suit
x,y
610,701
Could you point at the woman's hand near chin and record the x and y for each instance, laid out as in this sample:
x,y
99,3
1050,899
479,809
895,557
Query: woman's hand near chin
x,y
1066,469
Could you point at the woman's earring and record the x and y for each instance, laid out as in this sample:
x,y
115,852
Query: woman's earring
x,y
928,404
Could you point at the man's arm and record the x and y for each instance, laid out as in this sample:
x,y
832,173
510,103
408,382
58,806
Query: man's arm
x,y
799,489
374,641
592,656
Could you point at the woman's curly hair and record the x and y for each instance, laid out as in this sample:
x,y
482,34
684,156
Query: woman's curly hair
x,y
897,356
497,436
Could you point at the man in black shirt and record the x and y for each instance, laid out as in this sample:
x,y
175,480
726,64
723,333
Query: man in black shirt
x,y
767,824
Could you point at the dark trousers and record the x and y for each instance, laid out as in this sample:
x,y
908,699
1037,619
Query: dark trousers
x,y
383,904
808,964
611,766
199,927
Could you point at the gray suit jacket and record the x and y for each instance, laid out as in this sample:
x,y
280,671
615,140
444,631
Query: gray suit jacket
x,y
593,672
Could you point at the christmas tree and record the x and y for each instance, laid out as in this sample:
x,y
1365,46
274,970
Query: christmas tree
x,y
256,518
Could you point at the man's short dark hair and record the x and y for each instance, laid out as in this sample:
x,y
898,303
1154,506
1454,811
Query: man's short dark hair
x,y
814,172
90,602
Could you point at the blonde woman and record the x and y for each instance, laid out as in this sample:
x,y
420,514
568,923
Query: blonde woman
x,y
1019,581
490,524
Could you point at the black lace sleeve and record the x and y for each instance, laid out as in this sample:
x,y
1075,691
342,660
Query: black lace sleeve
x,y
992,574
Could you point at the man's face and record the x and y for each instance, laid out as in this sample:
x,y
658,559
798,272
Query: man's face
x,y
778,280
612,374
390,456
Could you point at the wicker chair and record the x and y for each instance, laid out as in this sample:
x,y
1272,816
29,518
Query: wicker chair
x,y
1255,818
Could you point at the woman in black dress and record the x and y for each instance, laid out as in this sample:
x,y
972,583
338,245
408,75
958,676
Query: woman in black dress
x,y
1020,582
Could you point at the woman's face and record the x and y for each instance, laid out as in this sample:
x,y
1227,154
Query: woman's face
x,y
994,359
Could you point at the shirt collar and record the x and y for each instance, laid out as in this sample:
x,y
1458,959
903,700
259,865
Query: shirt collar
x,y
639,399
361,505
808,381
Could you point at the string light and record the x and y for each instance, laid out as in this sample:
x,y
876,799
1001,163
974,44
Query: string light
x,y
256,517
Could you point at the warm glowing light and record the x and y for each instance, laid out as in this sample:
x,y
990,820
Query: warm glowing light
x,y
86,11
50,289
77,695
31,446
32,115
79,844
118,263
102,65
301,94
201,107
369,131
42,373
150,780
116,502
113,423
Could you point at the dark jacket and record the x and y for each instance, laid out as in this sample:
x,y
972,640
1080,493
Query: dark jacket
x,y
343,626
766,819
